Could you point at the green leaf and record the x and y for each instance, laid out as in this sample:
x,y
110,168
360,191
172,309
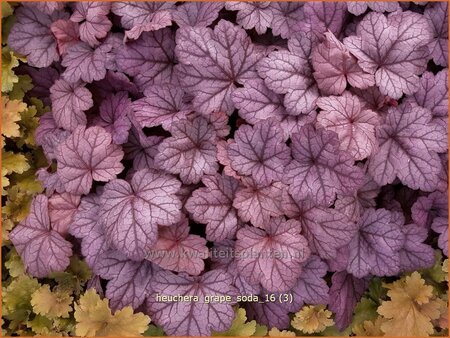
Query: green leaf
x,y
154,331
20,87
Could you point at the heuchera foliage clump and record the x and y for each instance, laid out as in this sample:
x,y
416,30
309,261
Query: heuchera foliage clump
x,y
306,141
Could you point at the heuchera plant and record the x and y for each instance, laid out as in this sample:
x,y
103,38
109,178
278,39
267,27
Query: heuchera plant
x,y
273,133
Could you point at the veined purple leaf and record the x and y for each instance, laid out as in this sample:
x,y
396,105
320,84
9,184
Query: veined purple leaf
x,y
354,125
325,229
359,7
66,34
177,250
114,115
286,18
31,36
149,59
271,314
69,102
162,105
61,209
196,14
190,152
272,256
212,62
259,151
113,83
440,225
433,95
129,281
132,211
141,149
256,102
93,19
213,205
139,17
257,15
334,66
408,149
319,169
345,291
85,156
47,7
42,249
323,16
311,287
415,254
289,72
192,318
256,203
224,159
393,49
222,257
427,208
437,15
84,63
50,181
375,248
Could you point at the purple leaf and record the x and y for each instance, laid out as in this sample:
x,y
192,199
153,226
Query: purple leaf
x,y
177,250
437,15
323,16
354,125
84,63
196,14
47,7
286,18
433,95
256,203
345,291
50,181
408,149
85,156
414,254
192,318
213,205
93,19
66,34
222,257
212,62
427,208
271,314
61,209
259,151
190,152
334,66
141,149
42,249
257,15
69,102
129,281
139,17
393,49
113,117
440,225
162,105
132,211
256,102
113,83
325,229
359,7
289,72
311,287
31,36
319,169
272,256
149,59
43,79
375,248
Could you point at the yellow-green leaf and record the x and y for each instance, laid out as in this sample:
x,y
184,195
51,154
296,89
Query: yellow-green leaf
x,y
312,319
10,116
51,304
239,327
